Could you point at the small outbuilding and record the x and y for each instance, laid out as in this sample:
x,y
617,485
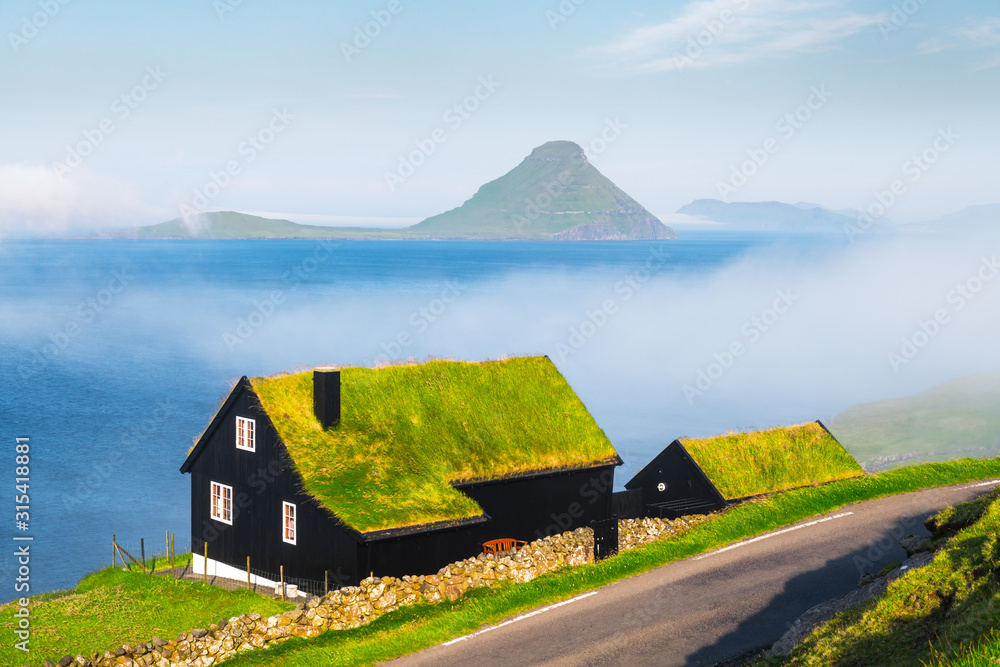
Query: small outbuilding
x,y
334,474
698,476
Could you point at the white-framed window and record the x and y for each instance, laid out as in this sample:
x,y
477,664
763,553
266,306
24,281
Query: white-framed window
x,y
288,531
222,503
246,436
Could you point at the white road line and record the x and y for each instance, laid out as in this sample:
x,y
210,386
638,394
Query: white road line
x,y
520,618
976,486
774,534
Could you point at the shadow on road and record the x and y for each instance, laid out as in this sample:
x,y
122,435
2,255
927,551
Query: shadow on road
x,y
835,578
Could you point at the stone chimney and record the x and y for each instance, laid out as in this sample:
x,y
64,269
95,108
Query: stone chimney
x,y
326,396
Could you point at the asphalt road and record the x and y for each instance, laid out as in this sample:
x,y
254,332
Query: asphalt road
x,y
710,608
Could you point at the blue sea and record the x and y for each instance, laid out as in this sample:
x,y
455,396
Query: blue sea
x,y
116,354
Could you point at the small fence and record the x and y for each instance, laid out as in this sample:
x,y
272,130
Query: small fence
x,y
152,556
270,582
605,537
173,557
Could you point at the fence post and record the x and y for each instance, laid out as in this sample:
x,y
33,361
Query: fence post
x,y
248,572
282,583
205,568
114,552
326,581
142,552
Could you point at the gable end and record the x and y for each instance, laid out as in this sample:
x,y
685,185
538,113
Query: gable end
x,y
213,426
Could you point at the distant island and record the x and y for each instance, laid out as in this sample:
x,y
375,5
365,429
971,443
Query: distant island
x,y
772,216
554,194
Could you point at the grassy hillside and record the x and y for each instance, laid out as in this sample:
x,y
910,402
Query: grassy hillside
x,y
112,607
407,432
946,613
553,193
747,464
957,418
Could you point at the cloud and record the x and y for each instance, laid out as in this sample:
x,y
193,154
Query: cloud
x,y
988,64
974,37
38,200
722,33
984,33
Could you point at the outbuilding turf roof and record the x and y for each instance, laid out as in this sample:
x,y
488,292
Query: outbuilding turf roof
x,y
747,464
407,432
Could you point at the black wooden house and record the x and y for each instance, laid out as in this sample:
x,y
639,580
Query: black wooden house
x,y
325,473
672,485
699,476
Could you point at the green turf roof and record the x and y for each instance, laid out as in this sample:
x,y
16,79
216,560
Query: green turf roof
x,y
408,431
747,464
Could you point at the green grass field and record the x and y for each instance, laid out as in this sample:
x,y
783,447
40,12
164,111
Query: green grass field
x,y
954,419
747,464
112,607
408,431
943,614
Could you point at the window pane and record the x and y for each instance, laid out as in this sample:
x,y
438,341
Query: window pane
x,y
288,523
222,502
245,433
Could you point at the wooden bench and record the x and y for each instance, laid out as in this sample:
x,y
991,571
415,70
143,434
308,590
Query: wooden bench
x,y
502,546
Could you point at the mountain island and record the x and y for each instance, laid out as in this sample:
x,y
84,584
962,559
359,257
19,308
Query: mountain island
x,y
554,194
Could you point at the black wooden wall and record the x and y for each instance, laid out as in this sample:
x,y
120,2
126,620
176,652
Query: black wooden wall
x,y
526,508
261,480
686,489
530,508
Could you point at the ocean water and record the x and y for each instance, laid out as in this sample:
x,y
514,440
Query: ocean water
x,y
116,354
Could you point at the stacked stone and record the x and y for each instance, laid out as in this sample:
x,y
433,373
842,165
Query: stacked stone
x,y
354,606
633,533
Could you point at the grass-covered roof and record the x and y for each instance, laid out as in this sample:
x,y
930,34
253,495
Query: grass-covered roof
x,y
747,464
408,431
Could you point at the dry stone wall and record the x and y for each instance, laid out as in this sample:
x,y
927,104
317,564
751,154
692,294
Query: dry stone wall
x,y
356,605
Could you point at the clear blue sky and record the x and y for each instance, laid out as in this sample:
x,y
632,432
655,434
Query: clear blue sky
x,y
696,86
